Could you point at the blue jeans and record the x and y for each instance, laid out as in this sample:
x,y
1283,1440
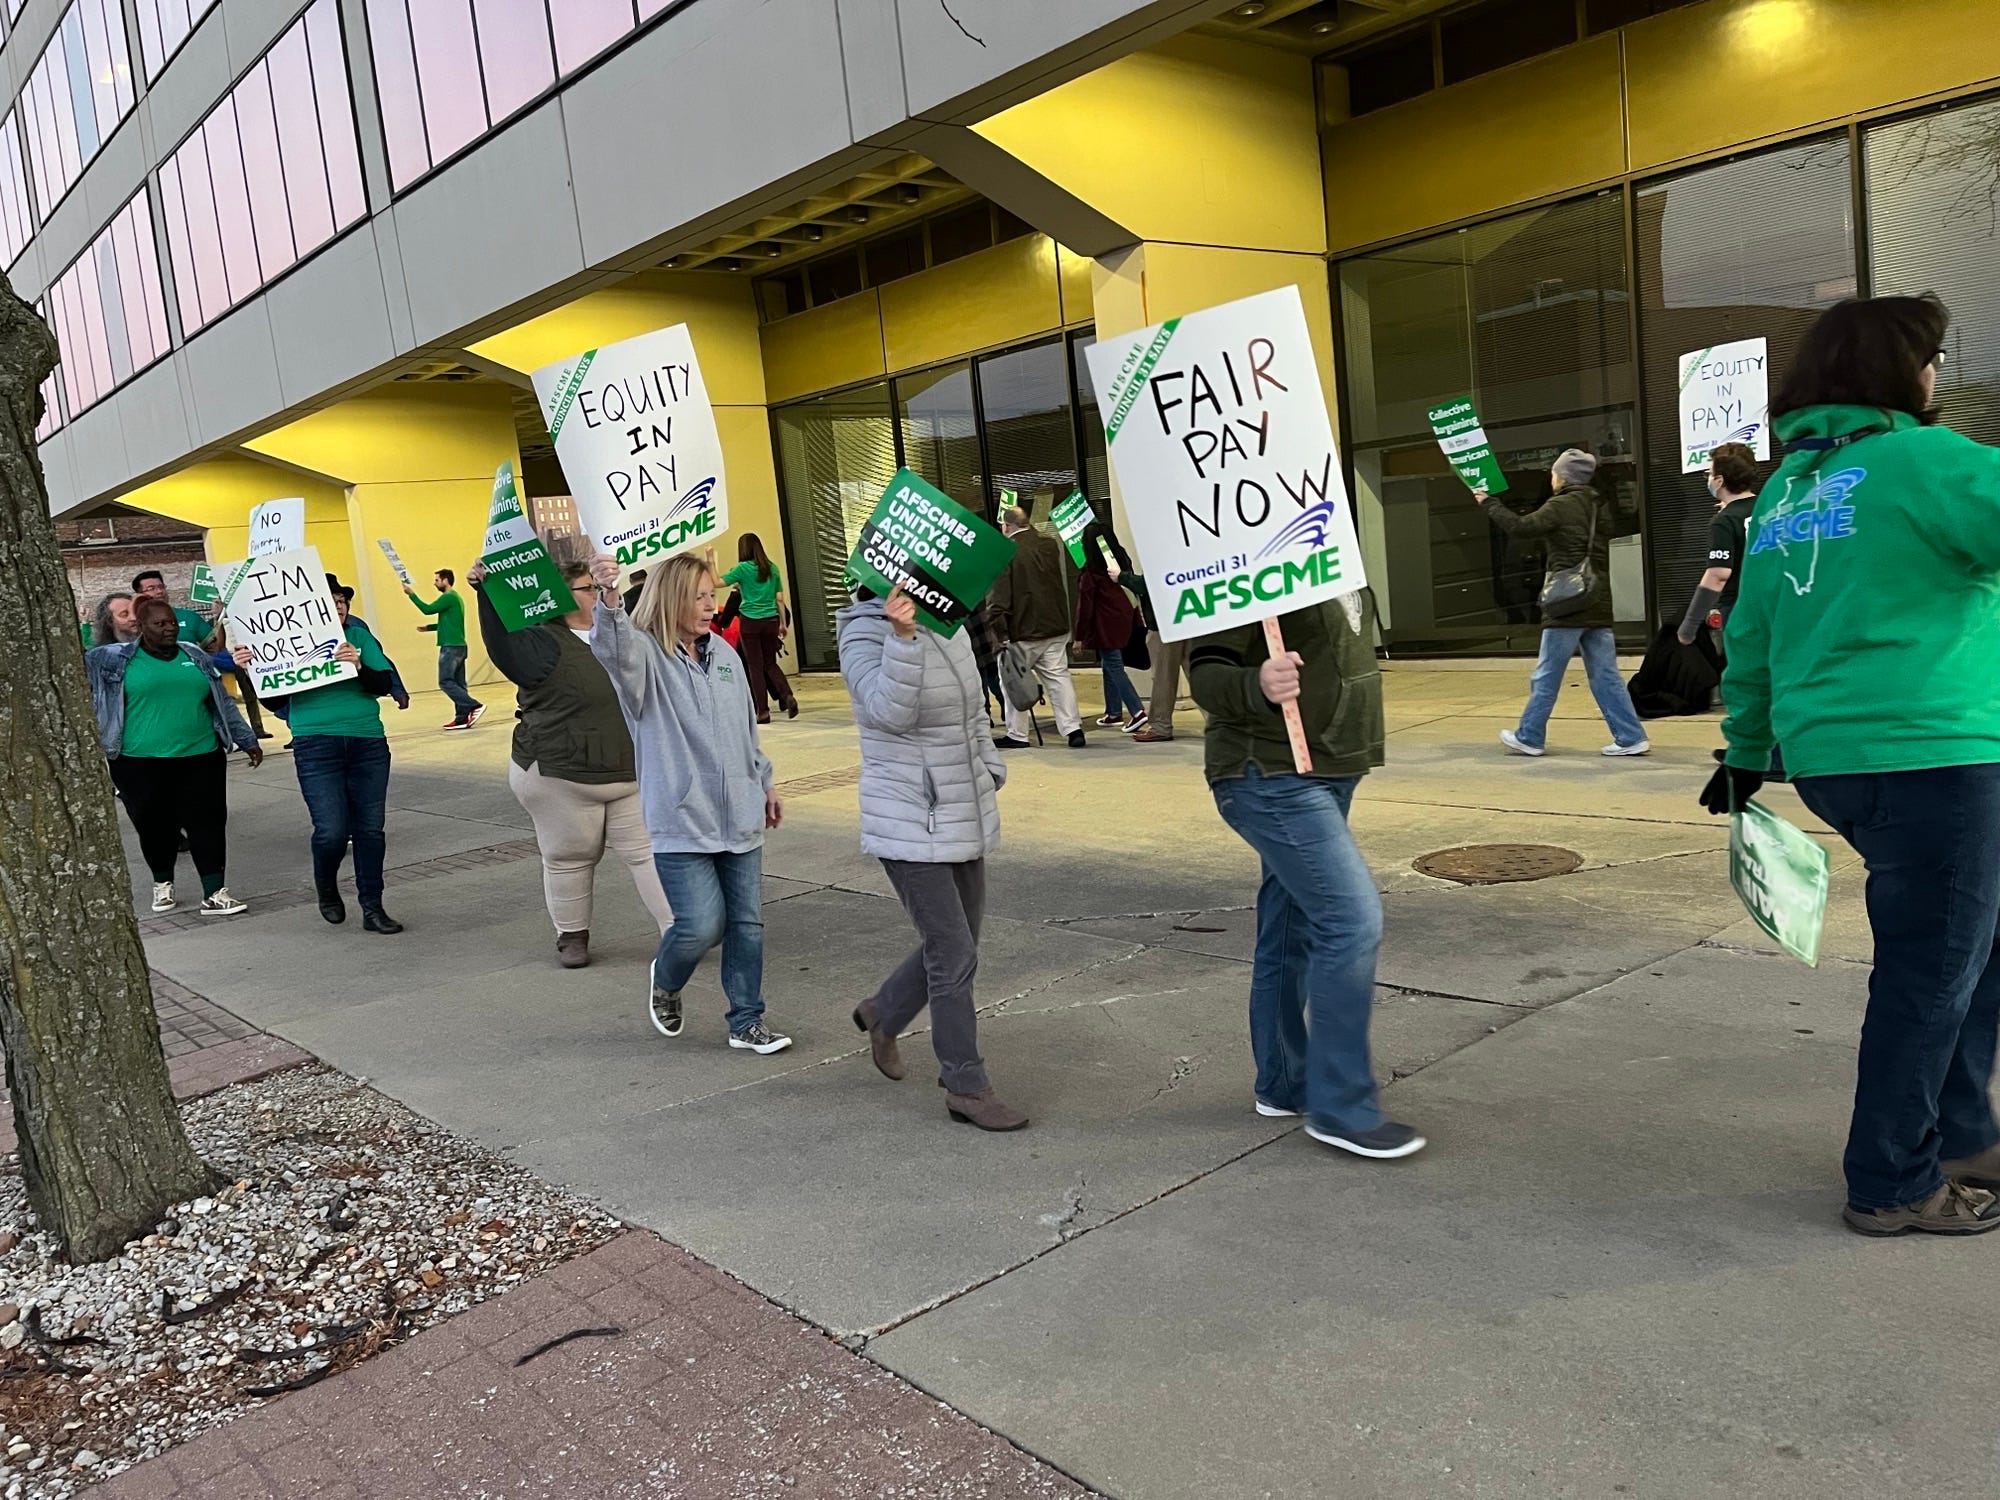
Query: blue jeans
x,y
717,898
345,781
1319,922
1120,697
1931,843
1600,665
451,679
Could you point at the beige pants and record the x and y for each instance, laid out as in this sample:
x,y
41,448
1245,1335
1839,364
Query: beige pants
x,y
1049,660
575,822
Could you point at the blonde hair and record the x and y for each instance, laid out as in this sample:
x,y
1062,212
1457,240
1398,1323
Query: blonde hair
x,y
667,598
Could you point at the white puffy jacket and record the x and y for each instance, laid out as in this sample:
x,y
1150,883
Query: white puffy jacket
x,y
929,767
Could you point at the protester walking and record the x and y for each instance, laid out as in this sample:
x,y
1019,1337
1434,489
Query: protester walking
x,y
1319,915
704,785
761,589
1028,607
1733,481
929,774
1574,525
167,727
1863,638
572,766
450,627
342,758
1105,620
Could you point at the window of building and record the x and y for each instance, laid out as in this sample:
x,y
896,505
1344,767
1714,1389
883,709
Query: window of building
x,y
833,278
938,423
76,95
108,311
448,72
836,454
781,296
1932,227
895,255
271,175
1609,15
1752,248
17,215
961,232
1500,32
1030,426
163,26
1530,314
1390,73
1009,226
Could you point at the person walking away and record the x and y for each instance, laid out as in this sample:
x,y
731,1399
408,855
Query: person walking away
x,y
572,766
450,627
342,759
1028,606
1733,481
1863,639
1169,657
1104,619
704,785
1574,524
986,656
929,775
167,728
1319,915
761,588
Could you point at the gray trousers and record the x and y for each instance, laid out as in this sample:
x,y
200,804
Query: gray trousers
x,y
946,903
1167,659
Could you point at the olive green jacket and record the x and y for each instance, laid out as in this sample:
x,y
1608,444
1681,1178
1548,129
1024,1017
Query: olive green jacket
x,y
1562,522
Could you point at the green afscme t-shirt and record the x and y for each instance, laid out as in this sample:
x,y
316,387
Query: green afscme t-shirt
x,y
167,711
193,628
760,598
344,707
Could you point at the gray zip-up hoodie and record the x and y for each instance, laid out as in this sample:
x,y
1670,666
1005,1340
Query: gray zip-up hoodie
x,y
702,779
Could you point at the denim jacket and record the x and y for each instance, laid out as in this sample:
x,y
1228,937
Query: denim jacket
x,y
106,667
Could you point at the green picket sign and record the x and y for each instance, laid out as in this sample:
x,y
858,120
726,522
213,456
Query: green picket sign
x,y
944,557
521,579
1466,449
1781,874
201,587
1072,516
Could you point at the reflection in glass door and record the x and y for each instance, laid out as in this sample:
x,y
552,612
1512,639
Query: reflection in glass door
x,y
836,454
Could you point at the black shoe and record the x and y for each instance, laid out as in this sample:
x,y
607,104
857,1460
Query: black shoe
x,y
331,906
265,734
1008,742
1076,740
374,919
1384,1143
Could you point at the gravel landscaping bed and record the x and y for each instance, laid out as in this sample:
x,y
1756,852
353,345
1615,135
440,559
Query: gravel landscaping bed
x,y
347,1224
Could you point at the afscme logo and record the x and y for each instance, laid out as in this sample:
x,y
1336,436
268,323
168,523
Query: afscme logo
x,y
298,676
1261,585
668,537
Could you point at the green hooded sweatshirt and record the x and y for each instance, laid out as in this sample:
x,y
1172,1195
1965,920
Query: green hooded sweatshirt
x,y
1866,635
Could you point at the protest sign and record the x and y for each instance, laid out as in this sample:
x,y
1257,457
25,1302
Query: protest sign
x,y
1072,516
281,610
636,437
944,557
522,579
201,587
1725,397
1465,446
395,561
278,526
1781,875
1217,430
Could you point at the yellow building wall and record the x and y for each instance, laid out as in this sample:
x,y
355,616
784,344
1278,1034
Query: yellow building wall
x,y
825,348
1198,140
1687,83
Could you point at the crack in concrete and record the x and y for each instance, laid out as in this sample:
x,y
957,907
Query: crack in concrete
x,y
1143,916
1072,1207
1184,1068
1539,812
999,1007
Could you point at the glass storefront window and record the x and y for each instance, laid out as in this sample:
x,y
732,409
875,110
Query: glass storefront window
x,y
940,432
1932,228
836,454
1531,315
1030,427
1746,249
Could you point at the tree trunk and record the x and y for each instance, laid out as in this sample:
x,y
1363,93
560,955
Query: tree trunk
x,y
102,1146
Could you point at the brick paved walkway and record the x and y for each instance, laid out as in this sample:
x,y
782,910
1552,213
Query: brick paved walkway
x,y
705,1392
207,1048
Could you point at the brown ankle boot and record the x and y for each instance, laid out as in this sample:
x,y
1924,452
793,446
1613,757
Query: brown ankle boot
x,y
881,1045
985,1110
573,949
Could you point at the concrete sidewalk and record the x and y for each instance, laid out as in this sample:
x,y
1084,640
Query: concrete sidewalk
x,y
1618,1269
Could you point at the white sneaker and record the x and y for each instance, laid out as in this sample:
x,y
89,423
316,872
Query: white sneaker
x,y
1519,746
222,904
1276,1113
163,896
1642,748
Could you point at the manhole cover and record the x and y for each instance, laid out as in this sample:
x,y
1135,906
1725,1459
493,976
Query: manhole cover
x,y
1499,864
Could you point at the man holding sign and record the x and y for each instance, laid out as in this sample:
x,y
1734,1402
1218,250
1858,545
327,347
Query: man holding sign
x,y
1219,438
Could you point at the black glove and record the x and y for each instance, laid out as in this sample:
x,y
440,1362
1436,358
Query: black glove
x,y
1729,788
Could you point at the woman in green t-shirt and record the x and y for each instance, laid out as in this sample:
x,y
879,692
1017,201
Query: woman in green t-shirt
x,y
166,726
760,593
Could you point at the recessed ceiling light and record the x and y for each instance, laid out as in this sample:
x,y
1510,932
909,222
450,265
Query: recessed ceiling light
x,y
858,214
1325,28
728,263
773,249
1250,8
812,234
909,192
